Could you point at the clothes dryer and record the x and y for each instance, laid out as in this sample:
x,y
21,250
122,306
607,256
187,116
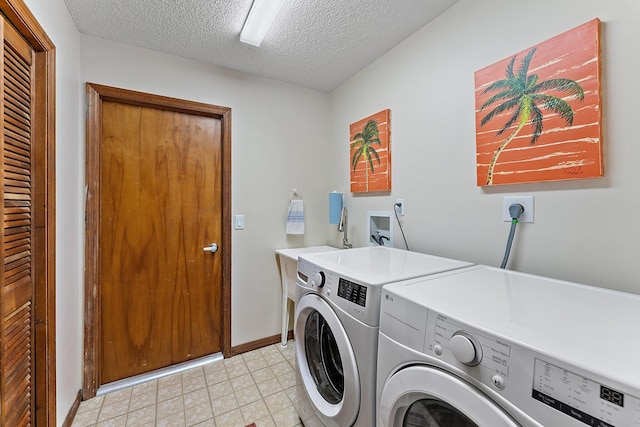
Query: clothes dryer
x,y
483,346
336,328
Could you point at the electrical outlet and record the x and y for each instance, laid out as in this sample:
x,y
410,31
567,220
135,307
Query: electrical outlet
x,y
401,207
525,201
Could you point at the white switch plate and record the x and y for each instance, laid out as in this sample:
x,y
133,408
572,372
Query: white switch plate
x,y
525,201
239,222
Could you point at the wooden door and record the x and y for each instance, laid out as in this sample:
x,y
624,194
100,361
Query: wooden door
x,y
27,240
164,166
160,206
17,324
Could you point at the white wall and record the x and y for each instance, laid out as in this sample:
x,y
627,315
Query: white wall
x,y
584,230
54,18
278,143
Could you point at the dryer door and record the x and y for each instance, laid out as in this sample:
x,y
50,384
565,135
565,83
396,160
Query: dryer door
x,y
326,362
425,396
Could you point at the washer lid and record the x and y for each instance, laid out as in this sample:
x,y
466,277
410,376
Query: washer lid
x,y
381,265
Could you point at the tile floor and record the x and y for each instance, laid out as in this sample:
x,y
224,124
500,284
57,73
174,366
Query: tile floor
x,y
254,387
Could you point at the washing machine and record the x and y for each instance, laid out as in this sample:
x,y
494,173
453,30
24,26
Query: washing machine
x,y
486,347
336,328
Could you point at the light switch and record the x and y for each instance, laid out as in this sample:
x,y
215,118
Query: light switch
x,y
239,222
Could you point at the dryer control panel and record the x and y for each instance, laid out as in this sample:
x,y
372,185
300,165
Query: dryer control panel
x,y
582,398
461,345
522,375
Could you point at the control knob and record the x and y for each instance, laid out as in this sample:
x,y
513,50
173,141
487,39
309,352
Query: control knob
x,y
466,348
318,279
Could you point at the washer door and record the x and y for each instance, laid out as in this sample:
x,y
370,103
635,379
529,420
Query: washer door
x,y
326,362
427,397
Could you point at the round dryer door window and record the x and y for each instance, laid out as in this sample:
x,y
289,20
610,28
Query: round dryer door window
x,y
326,362
433,412
425,396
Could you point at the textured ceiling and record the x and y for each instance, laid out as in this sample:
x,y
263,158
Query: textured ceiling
x,y
313,43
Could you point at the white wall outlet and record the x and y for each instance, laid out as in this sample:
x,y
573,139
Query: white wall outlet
x,y
239,222
400,208
525,201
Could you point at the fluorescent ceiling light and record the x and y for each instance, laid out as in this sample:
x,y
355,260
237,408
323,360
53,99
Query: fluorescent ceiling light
x,y
259,20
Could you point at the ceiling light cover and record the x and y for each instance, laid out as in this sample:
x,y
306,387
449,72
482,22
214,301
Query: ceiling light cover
x,y
259,20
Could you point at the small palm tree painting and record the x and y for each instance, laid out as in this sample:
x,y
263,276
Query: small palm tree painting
x,y
370,153
538,113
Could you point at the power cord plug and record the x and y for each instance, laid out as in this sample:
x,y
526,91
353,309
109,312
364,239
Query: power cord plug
x,y
515,211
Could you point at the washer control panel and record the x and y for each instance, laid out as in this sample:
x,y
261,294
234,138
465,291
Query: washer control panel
x,y
318,279
582,398
352,291
357,299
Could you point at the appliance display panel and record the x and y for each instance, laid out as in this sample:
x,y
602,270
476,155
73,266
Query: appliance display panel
x,y
582,398
352,292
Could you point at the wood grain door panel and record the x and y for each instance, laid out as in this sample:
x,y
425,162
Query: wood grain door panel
x,y
161,196
17,355
27,242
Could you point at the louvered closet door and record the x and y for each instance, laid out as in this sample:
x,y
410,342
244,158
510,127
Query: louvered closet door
x,y
17,290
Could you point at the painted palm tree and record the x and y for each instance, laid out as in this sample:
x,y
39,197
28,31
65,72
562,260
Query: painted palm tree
x,y
524,94
364,142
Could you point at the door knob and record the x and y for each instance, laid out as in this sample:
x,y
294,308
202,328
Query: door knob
x,y
213,248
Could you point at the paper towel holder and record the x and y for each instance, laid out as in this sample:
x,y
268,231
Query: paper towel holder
x,y
336,203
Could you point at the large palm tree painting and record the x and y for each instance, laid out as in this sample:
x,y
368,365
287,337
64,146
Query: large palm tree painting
x,y
538,112
369,154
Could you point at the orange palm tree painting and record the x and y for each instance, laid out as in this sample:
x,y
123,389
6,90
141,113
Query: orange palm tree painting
x,y
370,153
538,112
